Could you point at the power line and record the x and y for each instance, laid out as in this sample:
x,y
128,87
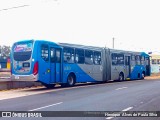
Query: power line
x,y
14,7
18,7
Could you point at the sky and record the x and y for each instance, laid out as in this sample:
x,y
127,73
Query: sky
x,y
134,24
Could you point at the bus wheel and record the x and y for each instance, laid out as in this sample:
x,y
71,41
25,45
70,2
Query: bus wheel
x,y
121,77
49,86
71,80
143,75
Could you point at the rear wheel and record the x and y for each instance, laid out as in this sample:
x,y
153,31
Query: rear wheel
x,y
143,75
121,77
71,80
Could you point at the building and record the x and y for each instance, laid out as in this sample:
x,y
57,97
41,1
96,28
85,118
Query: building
x,y
4,63
155,63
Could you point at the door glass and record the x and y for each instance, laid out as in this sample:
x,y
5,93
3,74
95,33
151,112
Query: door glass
x,y
44,52
58,56
52,53
126,60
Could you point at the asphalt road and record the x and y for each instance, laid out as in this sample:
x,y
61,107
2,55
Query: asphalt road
x,y
139,95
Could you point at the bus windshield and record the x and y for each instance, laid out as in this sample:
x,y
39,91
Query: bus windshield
x,y
22,51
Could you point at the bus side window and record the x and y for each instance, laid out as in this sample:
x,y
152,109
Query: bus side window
x,y
120,59
147,60
44,52
142,59
114,59
76,58
137,60
88,57
68,55
97,58
79,56
126,60
133,60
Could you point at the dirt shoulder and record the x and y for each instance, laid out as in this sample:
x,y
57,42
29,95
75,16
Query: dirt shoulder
x,y
153,76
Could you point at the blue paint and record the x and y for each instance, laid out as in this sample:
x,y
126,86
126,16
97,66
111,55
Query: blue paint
x,y
81,76
57,72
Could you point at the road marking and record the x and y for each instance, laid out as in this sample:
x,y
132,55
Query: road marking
x,y
108,118
129,108
22,92
121,88
46,106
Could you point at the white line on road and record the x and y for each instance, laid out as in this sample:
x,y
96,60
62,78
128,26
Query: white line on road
x,y
46,106
108,118
121,88
26,92
129,108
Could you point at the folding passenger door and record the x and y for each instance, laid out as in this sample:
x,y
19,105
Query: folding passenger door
x,y
127,66
56,64
114,66
148,67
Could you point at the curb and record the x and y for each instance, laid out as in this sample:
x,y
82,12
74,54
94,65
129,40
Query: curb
x,y
7,84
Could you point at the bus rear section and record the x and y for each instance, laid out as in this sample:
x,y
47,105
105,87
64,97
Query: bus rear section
x,y
37,60
128,65
23,66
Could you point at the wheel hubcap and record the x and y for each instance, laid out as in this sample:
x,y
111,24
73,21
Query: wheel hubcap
x,y
120,77
70,80
142,75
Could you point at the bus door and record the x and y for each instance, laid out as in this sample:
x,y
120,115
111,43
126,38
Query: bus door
x,y
55,66
148,70
114,67
127,66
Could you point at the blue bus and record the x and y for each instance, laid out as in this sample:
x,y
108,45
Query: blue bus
x,y
66,64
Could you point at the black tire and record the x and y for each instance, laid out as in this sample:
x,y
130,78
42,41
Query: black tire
x,y
71,80
121,77
143,75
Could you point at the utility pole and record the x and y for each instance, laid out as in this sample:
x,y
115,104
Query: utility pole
x,y
113,42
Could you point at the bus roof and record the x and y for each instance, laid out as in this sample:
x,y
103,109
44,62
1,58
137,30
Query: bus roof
x,y
85,47
129,52
81,46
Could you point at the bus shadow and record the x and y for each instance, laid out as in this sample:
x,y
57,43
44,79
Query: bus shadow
x,y
43,88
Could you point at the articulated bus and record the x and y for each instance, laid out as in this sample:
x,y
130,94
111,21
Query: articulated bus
x,y
66,64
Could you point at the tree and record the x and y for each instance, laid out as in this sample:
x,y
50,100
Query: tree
x,y
5,51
